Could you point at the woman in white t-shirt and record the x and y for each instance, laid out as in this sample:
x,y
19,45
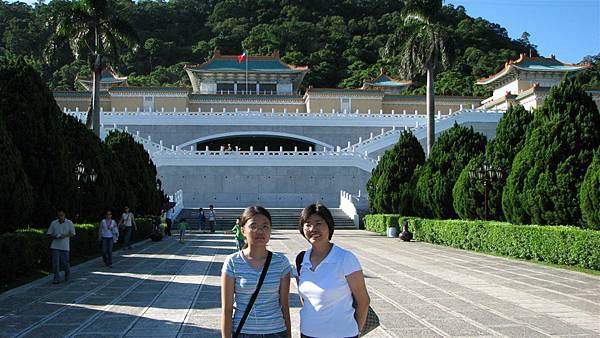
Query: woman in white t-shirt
x,y
330,279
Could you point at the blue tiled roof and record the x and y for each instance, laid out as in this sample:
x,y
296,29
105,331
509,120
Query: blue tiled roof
x,y
386,81
255,64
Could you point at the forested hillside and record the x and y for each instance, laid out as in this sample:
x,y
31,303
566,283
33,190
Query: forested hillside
x,y
342,41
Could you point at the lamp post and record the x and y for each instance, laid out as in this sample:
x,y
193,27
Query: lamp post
x,y
83,176
486,173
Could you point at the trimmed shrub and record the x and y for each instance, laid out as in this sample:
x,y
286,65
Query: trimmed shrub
x,y
590,194
500,152
32,120
389,188
436,178
16,199
545,180
28,250
552,244
139,173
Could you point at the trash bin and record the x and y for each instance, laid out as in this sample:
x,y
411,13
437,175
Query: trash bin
x,y
392,232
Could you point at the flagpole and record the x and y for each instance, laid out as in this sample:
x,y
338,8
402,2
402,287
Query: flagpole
x,y
247,57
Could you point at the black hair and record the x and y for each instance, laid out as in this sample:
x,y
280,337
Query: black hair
x,y
320,210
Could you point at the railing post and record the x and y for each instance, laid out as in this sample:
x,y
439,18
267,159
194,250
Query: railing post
x,y
338,149
206,149
380,111
266,148
280,149
472,106
382,131
212,110
192,147
295,149
371,136
137,110
113,110
125,110
461,107
416,112
439,114
199,110
297,111
150,138
310,149
161,144
349,144
137,133
251,148
404,112
449,111
393,112
187,109
360,139
369,111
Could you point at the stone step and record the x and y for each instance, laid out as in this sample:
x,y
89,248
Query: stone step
x,y
282,218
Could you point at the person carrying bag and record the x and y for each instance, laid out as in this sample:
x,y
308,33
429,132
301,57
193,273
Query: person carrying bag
x,y
255,284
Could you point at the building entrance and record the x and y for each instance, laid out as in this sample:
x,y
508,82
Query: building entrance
x,y
243,143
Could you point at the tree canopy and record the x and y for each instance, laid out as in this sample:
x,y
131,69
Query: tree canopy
x,y
343,42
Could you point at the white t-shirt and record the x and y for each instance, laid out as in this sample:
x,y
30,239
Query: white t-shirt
x,y
56,228
327,310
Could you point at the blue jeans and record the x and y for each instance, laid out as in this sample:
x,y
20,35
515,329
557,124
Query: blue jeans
x,y
127,238
107,247
282,334
60,258
240,244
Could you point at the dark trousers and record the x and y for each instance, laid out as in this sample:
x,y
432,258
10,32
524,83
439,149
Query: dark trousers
x,y
107,247
212,224
168,228
60,259
127,238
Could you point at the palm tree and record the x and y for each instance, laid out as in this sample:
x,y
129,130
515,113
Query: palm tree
x,y
93,28
425,49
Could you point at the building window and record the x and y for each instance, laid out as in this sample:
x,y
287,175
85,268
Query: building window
x,y
268,88
225,88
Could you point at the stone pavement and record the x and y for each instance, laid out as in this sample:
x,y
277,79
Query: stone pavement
x,y
168,289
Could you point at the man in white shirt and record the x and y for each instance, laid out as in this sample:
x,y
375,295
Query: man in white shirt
x,y
60,230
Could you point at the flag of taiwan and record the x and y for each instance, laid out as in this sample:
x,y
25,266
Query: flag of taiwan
x,y
242,58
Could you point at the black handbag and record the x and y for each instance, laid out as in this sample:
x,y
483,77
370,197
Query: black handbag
x,y
372,321
254,295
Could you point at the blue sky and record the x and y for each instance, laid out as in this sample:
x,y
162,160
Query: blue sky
x,y
569,29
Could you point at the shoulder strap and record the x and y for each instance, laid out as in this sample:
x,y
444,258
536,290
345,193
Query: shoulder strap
x,y
254,295
299,260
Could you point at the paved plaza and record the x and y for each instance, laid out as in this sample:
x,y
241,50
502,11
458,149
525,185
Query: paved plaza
x,y
168,289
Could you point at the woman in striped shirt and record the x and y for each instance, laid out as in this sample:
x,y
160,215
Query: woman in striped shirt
x,y
270,315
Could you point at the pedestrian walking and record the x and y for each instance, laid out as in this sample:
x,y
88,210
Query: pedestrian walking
x,y
239,236
330,280
61,230
182,228
109,234
169,220
212,218
128,223
201,219
259,283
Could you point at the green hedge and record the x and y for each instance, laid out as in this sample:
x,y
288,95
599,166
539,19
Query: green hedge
x,y
552,244
380,222
27,251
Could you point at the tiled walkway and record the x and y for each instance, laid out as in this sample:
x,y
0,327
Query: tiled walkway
x,y
168,289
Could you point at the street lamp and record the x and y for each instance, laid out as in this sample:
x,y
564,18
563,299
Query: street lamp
x,y
83,176
486,173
